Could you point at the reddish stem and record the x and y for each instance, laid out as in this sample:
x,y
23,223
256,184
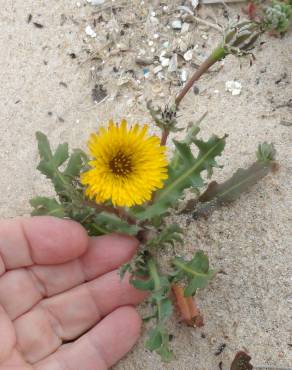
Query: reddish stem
x,y
164,137
217,54
120,212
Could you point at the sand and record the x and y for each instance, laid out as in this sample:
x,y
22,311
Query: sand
x,y
249,307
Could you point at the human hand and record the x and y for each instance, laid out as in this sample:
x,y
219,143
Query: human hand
x,y
57,285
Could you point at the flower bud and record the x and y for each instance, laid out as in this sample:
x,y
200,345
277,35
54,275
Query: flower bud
x,y
240,38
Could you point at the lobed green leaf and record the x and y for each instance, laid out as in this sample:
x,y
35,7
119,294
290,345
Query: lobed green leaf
x,y
109,223
221,194
168,236
187,174
196,272
47,206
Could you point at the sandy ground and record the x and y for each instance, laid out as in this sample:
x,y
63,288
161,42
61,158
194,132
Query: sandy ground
x,y
249,307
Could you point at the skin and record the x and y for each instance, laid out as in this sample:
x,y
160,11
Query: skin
x,y
62,303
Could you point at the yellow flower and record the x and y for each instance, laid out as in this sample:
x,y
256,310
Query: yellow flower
x,y
127,166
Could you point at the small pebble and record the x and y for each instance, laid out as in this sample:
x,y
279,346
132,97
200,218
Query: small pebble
x,y
234,87
90,32
188,55
157,69
144,60
196,90
176,24
164,61
154,20
146,72
173,64
185,27
96,2
184,75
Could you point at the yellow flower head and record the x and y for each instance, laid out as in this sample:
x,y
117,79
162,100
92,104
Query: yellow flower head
x,y
127,166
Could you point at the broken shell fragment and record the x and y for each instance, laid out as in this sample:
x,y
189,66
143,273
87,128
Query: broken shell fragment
x,y
176,24
188,55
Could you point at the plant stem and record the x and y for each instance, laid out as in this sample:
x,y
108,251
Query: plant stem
x,y
187,307
110,209
164,137
217,55
157,286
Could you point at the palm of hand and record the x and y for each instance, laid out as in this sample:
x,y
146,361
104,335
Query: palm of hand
x,y
62,303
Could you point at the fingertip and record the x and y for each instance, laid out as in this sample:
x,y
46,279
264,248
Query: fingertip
x,y
104,345
54,240
133,321
119,330
125,240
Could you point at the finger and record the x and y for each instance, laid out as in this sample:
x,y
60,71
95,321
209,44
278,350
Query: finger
x,y
104,254
100,348
7,337
68,315
41,240
15,362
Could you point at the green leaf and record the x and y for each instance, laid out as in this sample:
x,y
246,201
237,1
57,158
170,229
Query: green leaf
x,y
242,180
168,236
278,16
186,175
165,353
44,146
196,272
143,284
76,163
124,269
198,282
155,339
61,154
191,135
47,206
109,223
166,308
159,287
50,162
159,341
266,152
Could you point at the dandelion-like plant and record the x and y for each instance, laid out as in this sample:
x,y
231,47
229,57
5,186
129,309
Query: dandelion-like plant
x,y
127,165
128,185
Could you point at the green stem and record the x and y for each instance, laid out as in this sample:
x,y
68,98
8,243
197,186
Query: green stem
x,y
216,55
152,268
